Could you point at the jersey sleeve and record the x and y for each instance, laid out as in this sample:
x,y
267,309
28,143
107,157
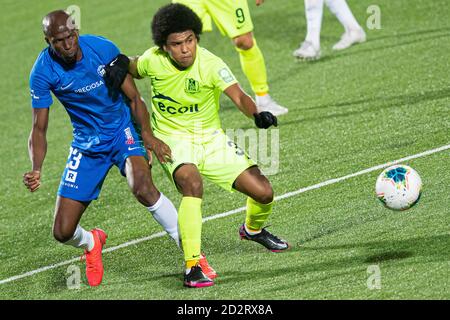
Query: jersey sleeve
x,y
144,63
40,88
221,75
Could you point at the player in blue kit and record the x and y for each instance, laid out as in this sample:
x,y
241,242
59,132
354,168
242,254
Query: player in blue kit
x,y
72,67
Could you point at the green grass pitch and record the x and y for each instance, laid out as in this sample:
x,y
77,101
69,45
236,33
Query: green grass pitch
x,y
379,101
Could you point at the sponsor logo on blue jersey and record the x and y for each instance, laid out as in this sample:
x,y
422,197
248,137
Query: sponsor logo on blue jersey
x,y
90,87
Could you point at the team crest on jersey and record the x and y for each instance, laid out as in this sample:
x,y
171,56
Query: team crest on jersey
x,y
101,70
191,86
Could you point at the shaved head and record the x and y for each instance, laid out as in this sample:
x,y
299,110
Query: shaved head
x,y
57,21
61,33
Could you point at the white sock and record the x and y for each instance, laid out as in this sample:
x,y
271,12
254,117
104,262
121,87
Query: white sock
x,y
165,213
252,233
341,10
81,239
262,100
314,12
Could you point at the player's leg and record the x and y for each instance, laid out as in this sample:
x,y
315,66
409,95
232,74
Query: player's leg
x,y
66,229
199,7
229,167
233,20
183,173
130,158
310,47
190,184
140,181
343,13
257,187
252,62
254,67
354,33
252,183
80,184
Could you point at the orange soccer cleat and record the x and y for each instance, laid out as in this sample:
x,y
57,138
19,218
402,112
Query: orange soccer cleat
x,y
206,268
94,264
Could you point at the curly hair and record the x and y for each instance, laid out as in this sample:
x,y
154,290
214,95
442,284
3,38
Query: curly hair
x,y
174,18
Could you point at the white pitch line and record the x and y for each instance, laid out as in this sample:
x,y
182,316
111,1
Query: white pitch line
x,y
231,212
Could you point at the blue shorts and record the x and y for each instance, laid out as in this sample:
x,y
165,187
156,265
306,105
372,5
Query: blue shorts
x,y
85,172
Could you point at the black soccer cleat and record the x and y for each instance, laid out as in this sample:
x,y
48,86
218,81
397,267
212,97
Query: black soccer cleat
x,y
196,278
265,238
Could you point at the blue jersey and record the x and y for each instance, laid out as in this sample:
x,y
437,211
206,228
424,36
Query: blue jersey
x,y
95,117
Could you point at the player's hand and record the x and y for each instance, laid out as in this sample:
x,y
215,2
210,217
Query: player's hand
x,y
32,180
115,73
259,2
161,150
265,119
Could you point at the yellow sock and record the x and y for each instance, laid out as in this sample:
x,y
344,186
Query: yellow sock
x,y
257,214
254,67
191,263
190,224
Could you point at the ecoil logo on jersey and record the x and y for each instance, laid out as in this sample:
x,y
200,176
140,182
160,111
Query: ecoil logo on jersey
x,y
180,110
90,87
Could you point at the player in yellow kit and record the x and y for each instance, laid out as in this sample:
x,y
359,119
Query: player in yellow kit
x,y
232,18
187,81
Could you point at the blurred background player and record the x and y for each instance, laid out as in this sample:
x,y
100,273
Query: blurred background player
x,y
72,68
187,81
232,18
354,33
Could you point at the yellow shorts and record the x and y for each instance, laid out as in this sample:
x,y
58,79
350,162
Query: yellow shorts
x,y
232,17
217,158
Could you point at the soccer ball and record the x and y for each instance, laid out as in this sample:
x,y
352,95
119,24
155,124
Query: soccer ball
x,y
399,187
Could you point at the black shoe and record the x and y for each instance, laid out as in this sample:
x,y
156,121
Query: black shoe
x,y
265,238
196,278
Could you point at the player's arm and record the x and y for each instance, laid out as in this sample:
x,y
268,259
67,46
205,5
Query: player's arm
x,y
248,107
116,71
259,2
242,100
142,118
132,67
37,148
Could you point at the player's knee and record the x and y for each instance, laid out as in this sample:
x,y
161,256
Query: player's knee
x,y
192,188
145,192
196,188
265,195
244,42
62,234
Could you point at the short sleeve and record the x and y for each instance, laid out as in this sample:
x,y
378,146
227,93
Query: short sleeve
x,y
222,77
143,63
40,90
